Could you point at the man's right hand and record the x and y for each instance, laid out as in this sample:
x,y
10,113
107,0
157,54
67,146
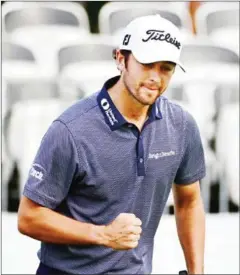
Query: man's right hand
x,y
123,233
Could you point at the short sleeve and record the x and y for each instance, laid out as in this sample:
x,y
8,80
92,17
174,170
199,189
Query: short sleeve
x,y
192,166
54,167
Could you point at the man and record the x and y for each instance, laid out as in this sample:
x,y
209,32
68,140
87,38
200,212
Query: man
x,y
102,175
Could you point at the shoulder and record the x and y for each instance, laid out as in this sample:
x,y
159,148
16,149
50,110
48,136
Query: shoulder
x,y
175,112
78,112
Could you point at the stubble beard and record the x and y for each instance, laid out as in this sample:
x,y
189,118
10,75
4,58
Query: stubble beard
x,y
136,94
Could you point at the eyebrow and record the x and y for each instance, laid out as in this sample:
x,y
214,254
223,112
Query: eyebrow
x,y
163,63
169,63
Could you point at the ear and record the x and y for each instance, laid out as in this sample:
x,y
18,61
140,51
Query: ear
x,y
120,60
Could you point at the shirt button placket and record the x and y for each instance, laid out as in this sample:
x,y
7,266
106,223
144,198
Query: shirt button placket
x,y
140,153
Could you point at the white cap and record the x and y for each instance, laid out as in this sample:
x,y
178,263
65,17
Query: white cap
x,y
152,38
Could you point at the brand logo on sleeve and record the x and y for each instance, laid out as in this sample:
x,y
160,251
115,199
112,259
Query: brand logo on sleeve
x,y
108,111
37,172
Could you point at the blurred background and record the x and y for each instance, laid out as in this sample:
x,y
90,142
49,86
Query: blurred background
x,y
55,53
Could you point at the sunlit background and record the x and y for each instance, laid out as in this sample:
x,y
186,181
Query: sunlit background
x,y
55,53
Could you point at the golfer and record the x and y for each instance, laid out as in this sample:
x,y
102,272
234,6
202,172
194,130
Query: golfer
x,y
100,180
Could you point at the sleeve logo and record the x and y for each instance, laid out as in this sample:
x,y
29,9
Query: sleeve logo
x,y
37,172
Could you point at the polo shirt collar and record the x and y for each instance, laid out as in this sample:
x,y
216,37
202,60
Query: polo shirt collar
x,y
154,111
112,116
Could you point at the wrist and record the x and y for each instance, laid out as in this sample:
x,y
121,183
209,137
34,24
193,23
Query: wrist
x,y
195,271
99,235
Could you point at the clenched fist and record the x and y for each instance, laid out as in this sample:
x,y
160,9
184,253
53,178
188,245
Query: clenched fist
x,y
124,232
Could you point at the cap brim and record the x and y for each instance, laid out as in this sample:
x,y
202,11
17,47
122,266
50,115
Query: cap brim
x,y
149,58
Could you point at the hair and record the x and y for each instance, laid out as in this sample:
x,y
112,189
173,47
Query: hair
x,y
125,53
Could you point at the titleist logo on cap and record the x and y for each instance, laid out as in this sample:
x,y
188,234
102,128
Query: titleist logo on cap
x,y
161,36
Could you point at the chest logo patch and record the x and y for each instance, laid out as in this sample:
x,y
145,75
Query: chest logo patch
x,y
161,154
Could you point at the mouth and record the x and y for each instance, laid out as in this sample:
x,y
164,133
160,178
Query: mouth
x,y
151,88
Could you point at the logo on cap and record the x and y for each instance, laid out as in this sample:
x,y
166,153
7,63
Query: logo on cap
x,y
126,39
161,36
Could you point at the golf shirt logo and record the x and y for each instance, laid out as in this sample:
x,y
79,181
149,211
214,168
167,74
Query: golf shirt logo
x,y
161,154
108,111
105,104
37,172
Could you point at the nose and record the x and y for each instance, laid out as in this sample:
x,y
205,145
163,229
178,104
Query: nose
x,y
154,76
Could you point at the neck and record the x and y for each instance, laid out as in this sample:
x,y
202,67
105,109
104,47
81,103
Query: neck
x,y
128,106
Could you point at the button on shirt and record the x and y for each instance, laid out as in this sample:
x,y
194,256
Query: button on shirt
x,y
93,165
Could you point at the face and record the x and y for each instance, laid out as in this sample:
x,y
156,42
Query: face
x,y
146,82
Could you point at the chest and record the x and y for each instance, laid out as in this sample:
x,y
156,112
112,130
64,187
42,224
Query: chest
x,y
114,163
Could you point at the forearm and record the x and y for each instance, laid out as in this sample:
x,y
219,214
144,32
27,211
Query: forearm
x,y
190,220
49,226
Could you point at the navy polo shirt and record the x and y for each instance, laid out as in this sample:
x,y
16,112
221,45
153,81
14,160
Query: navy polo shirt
x,y
93,165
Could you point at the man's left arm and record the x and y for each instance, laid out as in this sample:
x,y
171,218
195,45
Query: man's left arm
x,y
188,205
190,221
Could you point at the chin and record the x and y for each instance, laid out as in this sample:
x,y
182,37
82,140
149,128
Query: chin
x,y
147,102
149,98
